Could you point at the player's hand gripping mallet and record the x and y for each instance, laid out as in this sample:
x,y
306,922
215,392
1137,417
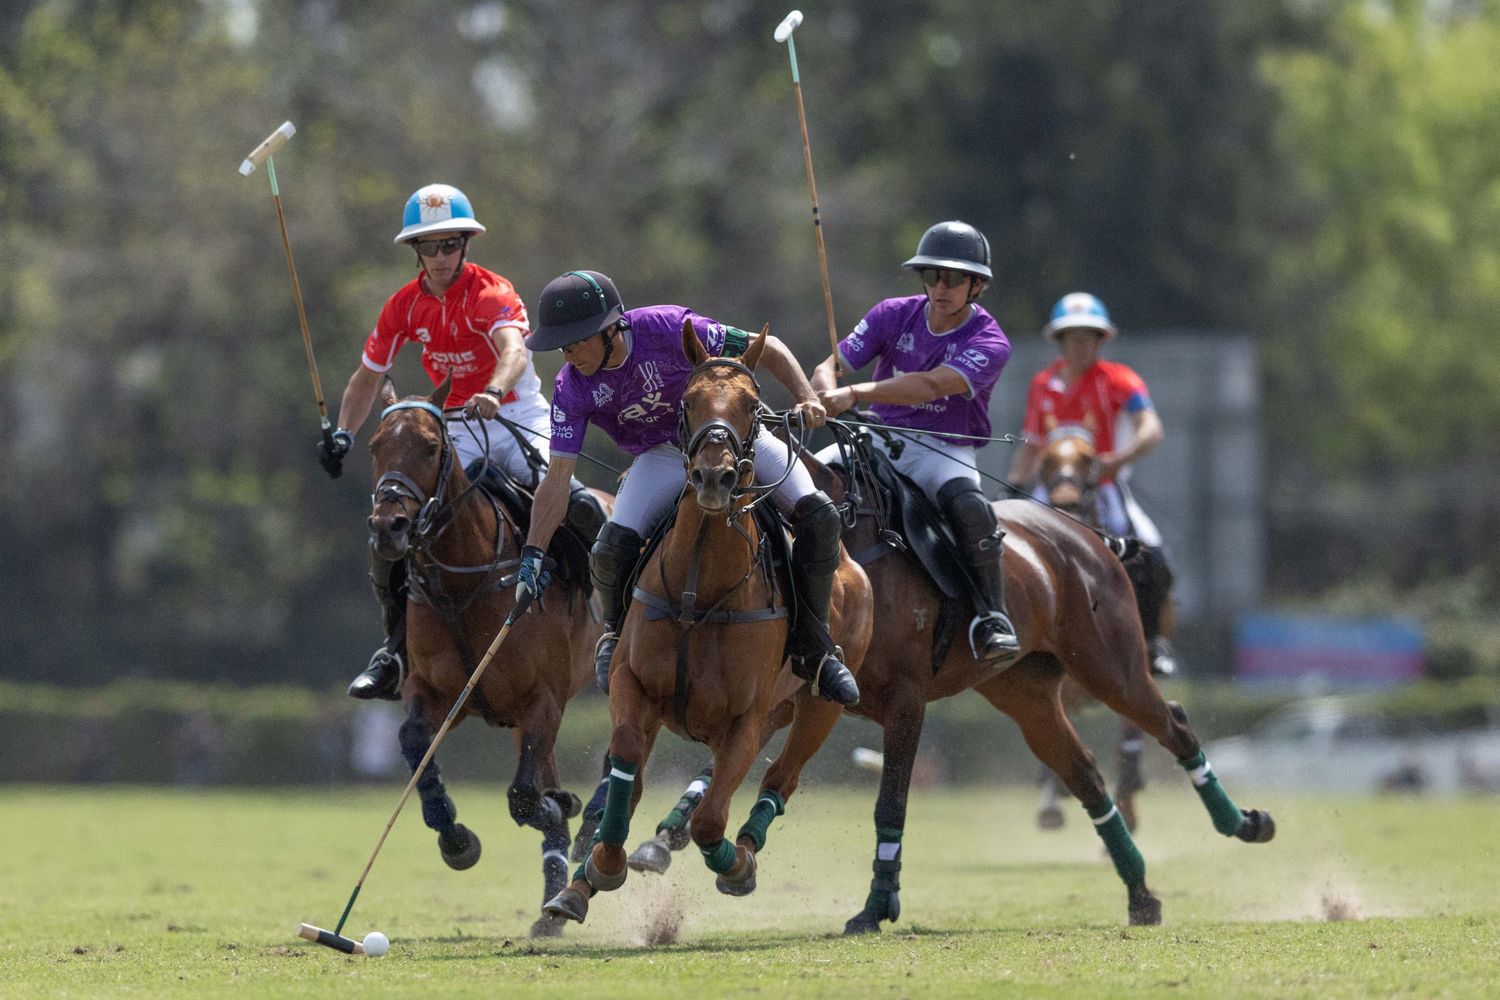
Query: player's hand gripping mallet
x,y
334,939
262,155
784,34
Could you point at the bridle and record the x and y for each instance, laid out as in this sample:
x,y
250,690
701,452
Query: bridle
x,y
394,486
717,430
1086,482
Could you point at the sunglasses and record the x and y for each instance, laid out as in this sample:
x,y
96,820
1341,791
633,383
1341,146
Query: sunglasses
x,y
431,248
952,279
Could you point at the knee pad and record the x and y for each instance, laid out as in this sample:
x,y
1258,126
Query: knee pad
x,y
614,552
585,515
967,509
817,527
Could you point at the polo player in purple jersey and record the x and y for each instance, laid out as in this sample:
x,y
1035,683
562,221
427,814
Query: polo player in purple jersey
x,y
625,373
937,357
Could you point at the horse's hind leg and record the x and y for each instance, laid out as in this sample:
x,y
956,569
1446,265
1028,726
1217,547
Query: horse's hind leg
x,y
537,802
655,855
1130,779
1028,694
459,846
592,814
902,727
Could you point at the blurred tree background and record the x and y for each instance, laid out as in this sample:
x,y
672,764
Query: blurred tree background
x,y
1323,175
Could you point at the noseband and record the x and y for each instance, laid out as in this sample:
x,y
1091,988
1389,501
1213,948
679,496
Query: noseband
x,y
717,430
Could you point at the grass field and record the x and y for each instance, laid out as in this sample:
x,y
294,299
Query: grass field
x,y
143,892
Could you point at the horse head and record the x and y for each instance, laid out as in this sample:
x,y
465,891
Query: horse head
x,y
412,459
719,420
1070,469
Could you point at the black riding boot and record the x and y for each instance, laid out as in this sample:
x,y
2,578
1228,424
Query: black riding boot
x,y
815,558
1152,579
610,562
382,678
991,634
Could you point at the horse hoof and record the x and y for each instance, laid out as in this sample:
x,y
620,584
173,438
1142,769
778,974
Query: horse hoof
x,y
1050,818
1258,827
570,904
652,856
743,885
570,804
1145,909
863,922
550,925
679,837
599,880
460,847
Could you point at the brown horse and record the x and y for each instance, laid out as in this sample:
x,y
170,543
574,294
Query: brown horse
x,y
462,547
1069,474
1076,617
711,668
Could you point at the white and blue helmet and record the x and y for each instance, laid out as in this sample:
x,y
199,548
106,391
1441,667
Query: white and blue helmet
x,y
437,208
1079,309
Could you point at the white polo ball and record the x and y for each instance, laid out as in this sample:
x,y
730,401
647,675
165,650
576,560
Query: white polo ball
x,y
376,944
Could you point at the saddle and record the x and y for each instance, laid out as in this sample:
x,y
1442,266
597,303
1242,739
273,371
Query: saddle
x,y
574,538
920,525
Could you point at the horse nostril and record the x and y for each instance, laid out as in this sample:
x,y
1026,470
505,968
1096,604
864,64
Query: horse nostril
x,y
727,479
696,478
399,524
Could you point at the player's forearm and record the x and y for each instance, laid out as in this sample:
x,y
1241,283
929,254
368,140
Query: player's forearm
x,y
510,365
781,363
551,503
825,376
913,388
359,397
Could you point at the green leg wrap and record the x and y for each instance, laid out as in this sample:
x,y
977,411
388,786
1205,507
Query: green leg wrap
x,y
766,808
1226,815
689,801
720,857
615,826
885,888
1110,826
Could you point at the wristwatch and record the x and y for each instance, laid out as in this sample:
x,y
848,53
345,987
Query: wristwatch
x,y
495,390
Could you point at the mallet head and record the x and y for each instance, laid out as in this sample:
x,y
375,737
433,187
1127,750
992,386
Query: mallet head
x,y
788,25
329,939
272,143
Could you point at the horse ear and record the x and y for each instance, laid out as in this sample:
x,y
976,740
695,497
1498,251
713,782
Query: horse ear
x,y
387,392
692,347
440,394
751,357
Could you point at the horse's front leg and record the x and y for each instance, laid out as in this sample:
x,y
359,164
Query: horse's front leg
x,y
459,845
603,868
734,864
902,730
1130,779
537,802
655,855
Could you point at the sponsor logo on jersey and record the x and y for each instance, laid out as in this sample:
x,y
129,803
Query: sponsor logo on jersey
x,y
558,416
603,394
650,376
975,357
907,342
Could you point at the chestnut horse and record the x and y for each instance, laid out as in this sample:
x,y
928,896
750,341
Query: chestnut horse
x,y
1075,614
711,668
1070,479
462,548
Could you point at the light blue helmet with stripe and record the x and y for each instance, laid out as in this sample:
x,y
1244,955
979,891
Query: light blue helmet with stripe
x,y
437,208
1079,309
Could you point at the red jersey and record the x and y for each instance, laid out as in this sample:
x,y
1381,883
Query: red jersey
x,y
1095,401
456,332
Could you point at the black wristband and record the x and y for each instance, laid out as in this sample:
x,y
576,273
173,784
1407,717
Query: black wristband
x,y
495,390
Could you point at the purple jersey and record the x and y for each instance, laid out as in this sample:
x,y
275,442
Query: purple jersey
x,y
894,334
635,404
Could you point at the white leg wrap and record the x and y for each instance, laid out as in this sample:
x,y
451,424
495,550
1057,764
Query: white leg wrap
x,y
1113,812
1200,774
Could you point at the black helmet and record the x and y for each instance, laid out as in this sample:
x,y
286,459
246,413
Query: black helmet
x,y
574,307
954,245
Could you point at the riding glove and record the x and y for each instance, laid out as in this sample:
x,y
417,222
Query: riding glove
x,y
534,573
331,452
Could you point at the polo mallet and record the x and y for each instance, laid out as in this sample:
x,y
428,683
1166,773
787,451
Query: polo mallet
x,y
334,939
784,34
262,154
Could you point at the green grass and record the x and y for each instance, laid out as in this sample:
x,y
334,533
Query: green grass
x,y
136,892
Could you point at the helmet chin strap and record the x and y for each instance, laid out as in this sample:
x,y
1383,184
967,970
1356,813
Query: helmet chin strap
x,y
609,345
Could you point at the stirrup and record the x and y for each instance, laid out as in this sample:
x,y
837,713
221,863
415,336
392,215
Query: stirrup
x,y
603,657
383,677
1000,642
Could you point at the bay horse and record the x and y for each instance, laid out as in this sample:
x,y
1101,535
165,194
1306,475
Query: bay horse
x,y
701,649
462,547
1069,477
1075,613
